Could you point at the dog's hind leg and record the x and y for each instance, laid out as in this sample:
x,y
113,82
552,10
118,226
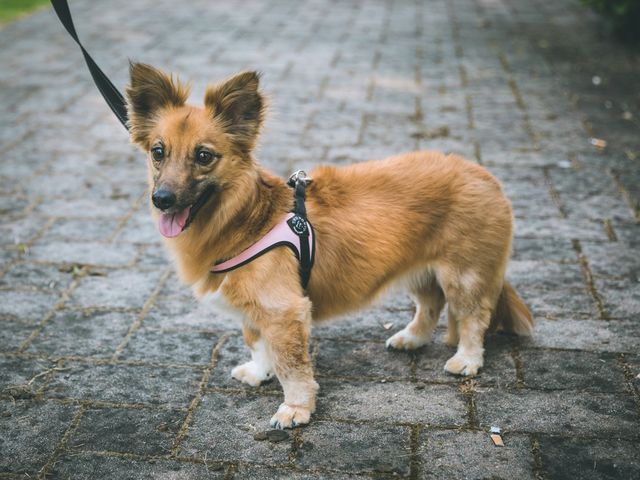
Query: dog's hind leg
x,y
429,300
452,328
259,369
469,357
472,298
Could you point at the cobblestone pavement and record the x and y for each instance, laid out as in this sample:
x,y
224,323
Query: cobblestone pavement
x,y
109,369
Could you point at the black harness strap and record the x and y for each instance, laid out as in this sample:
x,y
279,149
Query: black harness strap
x,y
301,225
112,96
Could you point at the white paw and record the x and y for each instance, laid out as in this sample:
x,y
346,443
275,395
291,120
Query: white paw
x,y
461,364
405,340
289,417
251,373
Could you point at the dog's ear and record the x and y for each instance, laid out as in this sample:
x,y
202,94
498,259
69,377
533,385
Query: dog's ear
x,y
150,91
239,106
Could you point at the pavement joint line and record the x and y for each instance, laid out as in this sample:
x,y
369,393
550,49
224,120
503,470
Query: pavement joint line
x,y
244,392
553,192
60,448
184,429
296,444
59,305
108,360
125,219
137,323
31,206
629,377
538,470
414,445
364,121
517,360
634,205
232,469
90,266
154,458
467,388
519,99
93,404
477,151
468,105
588,278
609,230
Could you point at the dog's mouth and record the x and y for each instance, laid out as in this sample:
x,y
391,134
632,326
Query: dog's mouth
x,y
173,224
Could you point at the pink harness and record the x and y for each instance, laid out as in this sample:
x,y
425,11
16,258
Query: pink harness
x,y
293,231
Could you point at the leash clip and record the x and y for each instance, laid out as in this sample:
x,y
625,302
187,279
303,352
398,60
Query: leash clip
x,y
299,176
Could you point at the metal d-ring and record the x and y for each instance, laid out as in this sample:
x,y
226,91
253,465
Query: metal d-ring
x,y
299,176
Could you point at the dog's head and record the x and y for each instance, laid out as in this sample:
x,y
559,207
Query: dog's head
x,y
194,153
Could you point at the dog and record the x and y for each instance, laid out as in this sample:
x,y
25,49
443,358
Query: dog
x,y
436,224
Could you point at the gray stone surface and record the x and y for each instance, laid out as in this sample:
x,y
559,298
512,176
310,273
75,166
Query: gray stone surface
x,y
608,458
355,448
126,384
460,454
86,466
578,413
110,369
30,432
88,333
224,426
140,431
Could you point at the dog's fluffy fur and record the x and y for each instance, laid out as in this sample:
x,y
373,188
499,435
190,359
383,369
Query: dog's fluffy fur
x,y
435,223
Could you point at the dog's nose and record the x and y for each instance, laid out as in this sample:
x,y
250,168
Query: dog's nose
x,y
163,199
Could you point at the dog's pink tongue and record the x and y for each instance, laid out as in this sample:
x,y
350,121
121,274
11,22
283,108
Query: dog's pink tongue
x,y
171,224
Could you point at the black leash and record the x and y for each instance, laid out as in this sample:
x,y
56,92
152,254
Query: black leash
x,y
112,96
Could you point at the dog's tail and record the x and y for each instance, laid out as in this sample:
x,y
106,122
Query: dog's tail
x,y
511,315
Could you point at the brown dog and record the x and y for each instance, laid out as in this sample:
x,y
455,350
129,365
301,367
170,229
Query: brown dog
x,y
437,224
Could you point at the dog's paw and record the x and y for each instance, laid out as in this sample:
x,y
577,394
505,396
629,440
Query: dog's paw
x,y
289,417
467,365
251,373
405,340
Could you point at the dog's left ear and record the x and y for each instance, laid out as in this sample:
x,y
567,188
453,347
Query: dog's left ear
x,y
239,106
150,91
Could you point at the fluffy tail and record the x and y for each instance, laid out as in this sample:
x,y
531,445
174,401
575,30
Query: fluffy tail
x,y
511,314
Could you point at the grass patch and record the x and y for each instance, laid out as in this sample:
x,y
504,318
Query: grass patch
x,y
12,9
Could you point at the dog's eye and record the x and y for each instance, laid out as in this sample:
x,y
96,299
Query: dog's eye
x,y
157,153
204,157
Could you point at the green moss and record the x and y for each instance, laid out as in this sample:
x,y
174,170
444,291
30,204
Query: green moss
x,y
12,9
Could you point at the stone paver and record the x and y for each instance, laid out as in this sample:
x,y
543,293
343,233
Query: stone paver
x,y
110,369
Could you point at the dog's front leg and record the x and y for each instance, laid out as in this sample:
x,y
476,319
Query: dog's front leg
x,y
287,338
259,369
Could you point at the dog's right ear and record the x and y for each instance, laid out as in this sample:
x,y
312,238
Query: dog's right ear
x,y
150,91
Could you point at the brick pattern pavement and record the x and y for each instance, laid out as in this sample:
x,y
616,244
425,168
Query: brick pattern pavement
x,y
109,369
